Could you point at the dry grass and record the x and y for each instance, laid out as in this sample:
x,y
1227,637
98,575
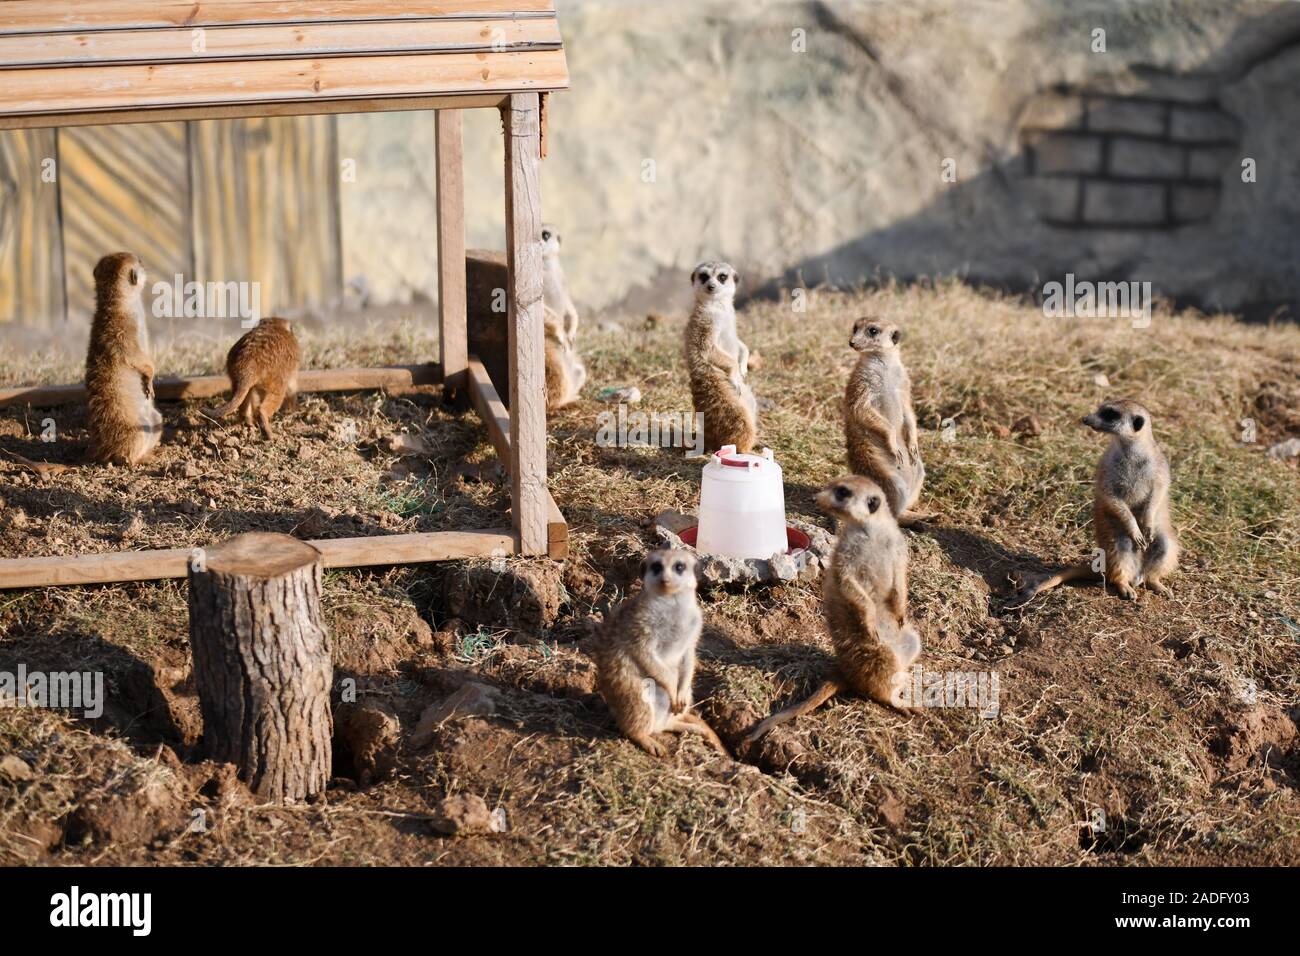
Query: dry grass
x,y
1142,711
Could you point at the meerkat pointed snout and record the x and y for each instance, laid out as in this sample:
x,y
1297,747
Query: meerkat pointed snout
x,y
880,432
645,655
1130,507
717,361
864,598
124,425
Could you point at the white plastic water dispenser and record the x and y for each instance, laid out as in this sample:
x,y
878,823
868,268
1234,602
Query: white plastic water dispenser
x,y
742,505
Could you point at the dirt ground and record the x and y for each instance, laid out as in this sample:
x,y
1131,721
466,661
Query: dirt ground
x,y
1162,731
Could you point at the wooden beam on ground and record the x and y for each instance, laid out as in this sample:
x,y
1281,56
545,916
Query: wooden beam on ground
x,y
452,321
206,386
528,493
490,408
388,549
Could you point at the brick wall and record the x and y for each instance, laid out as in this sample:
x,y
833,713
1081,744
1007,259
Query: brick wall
x,y
1125,162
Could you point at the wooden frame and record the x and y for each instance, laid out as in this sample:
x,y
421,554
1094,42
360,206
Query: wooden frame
x,y
380,67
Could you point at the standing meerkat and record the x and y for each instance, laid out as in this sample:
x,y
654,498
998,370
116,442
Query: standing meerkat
x,y
565,373
125,427
263,370
1130,506
864,597
718,362
879,424
645,656
555,288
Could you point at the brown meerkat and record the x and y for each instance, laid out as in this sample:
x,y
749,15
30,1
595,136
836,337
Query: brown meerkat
x,y
555,287
879,423
864,597
565,373
1130,507
718,361
263,370
125,427
645,655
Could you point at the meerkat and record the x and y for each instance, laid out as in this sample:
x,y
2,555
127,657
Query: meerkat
x,y
565,373
879,423
718,361
263,370
555,288
125,427
864,597
1130,507
645,655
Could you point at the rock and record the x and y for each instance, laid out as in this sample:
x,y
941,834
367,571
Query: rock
x,y
891,809
1285,450
1001,431
520,595
1100,380
15,768
1259,734
627,395
191,470
1028,425
404,444
367,735
472,700
675,521
463,813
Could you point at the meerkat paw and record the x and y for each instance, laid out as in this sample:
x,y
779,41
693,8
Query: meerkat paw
x,y
1126,591
651,746
1161,589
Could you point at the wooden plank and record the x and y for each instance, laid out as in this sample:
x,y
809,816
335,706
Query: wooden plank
x,y
207,386
243,43
496,418
75,89
264,196
31,250
452,330
245,110
124,189
37,16
174,562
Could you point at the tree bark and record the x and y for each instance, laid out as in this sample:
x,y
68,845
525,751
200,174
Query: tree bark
x,y
262,662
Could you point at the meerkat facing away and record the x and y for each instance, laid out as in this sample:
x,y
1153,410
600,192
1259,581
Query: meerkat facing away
x,y
718,362
864,597
879,423
125,427
555,287
645,655
565,373
263,370
1130,507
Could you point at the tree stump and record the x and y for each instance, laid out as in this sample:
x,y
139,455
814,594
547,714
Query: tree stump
x,y
262,662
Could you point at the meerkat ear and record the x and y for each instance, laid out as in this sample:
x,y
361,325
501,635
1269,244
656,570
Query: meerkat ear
x,y
1138,422
642,568
897,336
135,275
873,503
735,277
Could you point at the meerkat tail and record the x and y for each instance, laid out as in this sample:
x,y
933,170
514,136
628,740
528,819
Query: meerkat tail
x,y
910,519
820,696
42,468
688,723
1073,573
236,400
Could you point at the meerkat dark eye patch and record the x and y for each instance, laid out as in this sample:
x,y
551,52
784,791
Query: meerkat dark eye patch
x,y
1108,415
680,567
1138,422
843,493
657,567
873,503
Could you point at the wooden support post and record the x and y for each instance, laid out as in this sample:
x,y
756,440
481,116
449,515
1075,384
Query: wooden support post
x,y
262,662
524,294
451,253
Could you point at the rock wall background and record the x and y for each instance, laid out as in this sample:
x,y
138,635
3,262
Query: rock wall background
x,y
827,164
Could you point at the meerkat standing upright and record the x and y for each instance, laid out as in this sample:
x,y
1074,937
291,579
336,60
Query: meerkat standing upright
x,y
718,361
864,594
565,373
555,288
263,370
1130,507
645,655
125,427
879,423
